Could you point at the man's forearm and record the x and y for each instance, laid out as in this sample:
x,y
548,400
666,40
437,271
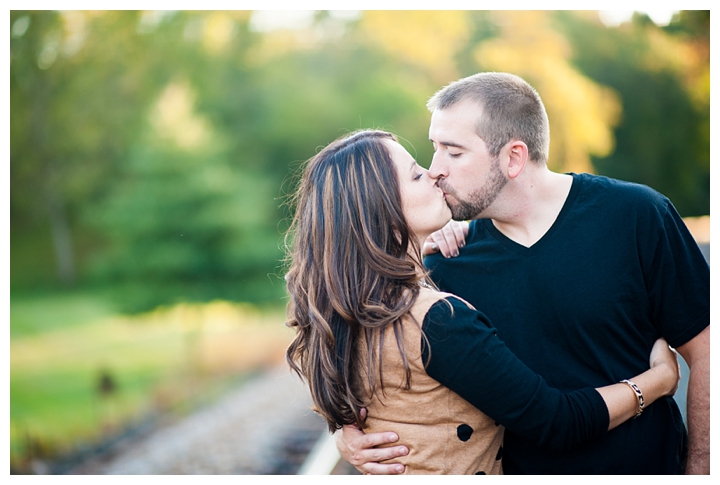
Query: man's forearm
x,y
698,416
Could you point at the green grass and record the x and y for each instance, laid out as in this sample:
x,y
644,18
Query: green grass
x,y
32,314
159,361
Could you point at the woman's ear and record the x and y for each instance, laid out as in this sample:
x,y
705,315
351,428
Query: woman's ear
x,y
517,153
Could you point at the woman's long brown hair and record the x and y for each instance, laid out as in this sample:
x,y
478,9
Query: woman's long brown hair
x,y
353,271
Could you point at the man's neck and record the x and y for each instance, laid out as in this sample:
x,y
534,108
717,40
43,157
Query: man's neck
x,y
532,205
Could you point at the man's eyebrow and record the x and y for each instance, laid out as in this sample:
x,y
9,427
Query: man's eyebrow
x,y
450,144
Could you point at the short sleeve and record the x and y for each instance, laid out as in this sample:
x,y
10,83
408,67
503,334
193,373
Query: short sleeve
x,y
677,278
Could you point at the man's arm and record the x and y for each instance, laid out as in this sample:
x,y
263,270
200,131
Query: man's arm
x,y
697,355
358,449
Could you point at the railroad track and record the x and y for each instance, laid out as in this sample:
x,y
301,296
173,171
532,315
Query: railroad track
x,y
264,428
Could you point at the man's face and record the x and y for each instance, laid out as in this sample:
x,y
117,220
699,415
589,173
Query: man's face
x,y
470,177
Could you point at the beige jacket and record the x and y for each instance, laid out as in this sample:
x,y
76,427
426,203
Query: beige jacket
x,y
444,433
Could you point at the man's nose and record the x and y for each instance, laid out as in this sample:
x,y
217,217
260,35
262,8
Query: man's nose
x,y
436,169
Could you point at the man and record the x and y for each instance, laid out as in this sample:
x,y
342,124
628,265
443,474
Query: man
x,y
578,273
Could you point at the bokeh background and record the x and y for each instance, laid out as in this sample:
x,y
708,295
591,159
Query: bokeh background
x,y
152,153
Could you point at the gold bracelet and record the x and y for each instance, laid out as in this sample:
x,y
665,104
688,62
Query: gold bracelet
x,y
638,394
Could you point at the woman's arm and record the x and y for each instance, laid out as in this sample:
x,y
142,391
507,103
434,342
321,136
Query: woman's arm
x,y
466,355
660,380
618,402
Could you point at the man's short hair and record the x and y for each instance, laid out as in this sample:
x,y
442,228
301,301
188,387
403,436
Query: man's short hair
x,y
510,107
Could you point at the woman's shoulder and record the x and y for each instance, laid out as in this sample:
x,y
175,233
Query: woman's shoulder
x,y
447,311
428,298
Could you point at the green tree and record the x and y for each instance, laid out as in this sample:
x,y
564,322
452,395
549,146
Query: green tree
x,y
581,110
129,128
179,226
78,84
192,213
662,78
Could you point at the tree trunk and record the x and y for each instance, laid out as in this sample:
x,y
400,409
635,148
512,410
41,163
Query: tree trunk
x,y
49,180
61,235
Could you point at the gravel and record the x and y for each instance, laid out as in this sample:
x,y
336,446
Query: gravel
x,y
264,427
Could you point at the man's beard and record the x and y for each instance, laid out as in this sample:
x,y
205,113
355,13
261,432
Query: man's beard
x,y
480,199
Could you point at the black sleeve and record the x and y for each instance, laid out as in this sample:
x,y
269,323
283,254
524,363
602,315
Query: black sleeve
x,y
677,277
466,355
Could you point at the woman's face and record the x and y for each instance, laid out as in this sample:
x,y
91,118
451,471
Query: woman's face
x,y
423,202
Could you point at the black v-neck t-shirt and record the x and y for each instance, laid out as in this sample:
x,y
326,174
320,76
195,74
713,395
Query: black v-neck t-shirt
x,y
583,306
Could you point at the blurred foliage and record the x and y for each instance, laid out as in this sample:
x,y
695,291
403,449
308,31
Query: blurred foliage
x,y
582,113
662,77
151,151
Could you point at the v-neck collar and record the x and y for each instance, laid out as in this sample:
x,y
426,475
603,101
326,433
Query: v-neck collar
x,y
519,248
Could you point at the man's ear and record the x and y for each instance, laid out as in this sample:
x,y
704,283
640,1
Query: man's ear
x,y
517,153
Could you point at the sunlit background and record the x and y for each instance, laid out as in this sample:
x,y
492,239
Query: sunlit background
x,y
151,154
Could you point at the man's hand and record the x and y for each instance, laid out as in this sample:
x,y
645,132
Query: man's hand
x,y
357,448
447,240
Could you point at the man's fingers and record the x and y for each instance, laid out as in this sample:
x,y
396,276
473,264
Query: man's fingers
x,y
377,469
363,459
375,439
382,454
368,461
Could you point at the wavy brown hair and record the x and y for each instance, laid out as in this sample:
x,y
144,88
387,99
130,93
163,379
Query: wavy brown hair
x,y
354,267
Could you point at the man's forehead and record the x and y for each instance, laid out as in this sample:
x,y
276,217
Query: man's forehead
x,y
454,122
466,109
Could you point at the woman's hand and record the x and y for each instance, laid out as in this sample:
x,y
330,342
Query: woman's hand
x,y
660,380
447,240
663,356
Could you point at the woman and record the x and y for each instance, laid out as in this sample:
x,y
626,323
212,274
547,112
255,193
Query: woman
x,y
367,316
